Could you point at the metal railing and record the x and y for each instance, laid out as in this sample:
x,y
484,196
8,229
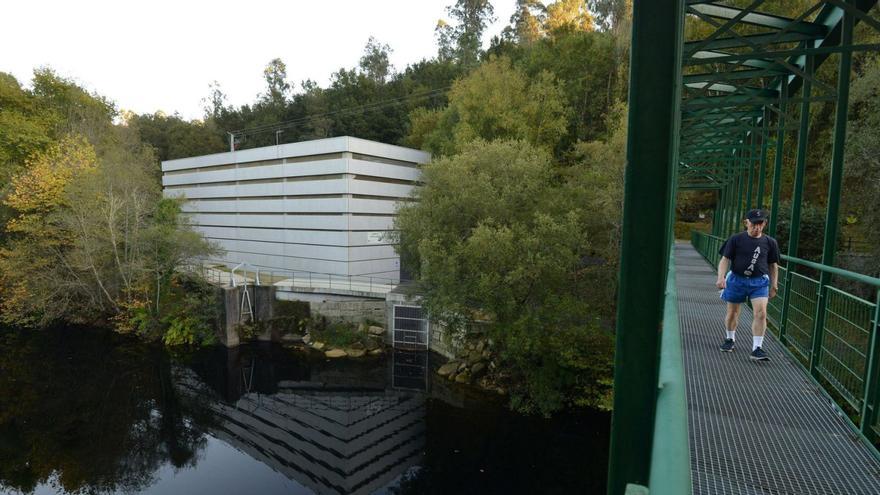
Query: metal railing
x,y
671,457
218,272
832,333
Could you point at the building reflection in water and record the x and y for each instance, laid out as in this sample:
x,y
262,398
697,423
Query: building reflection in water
x,y
334,428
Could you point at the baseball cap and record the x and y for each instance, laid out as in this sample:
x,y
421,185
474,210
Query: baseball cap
x,y
757,215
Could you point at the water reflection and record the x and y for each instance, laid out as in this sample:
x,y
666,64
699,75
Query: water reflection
x,y
90,413
333,430
93,412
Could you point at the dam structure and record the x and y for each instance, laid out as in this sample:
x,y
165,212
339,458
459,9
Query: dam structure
x,y
324,207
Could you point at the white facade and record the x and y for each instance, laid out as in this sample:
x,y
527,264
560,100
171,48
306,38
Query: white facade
x,y
324,206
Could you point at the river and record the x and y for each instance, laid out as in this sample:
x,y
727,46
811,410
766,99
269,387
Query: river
x,y
89,411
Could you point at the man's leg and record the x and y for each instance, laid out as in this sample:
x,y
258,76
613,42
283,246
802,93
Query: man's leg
x,y
730,321
759,326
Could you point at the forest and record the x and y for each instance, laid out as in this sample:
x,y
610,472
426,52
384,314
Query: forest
x,y
517,223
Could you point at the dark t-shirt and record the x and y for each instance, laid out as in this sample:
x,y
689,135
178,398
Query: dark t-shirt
x,y
750,256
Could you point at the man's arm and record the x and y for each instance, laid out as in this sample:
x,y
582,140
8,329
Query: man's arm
x,y
721,283
774,279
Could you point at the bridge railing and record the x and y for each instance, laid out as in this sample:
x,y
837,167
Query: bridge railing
x,y
217,272
671,462
832,333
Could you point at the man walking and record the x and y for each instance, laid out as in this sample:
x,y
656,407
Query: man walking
x,y
753,262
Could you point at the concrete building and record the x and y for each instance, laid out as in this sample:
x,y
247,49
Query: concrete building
x,y
323,206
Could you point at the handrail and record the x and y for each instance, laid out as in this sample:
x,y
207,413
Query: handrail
x,y
670,454
279,270
859,277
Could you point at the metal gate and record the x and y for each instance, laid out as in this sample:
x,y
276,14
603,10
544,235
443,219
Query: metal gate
x,y
410,327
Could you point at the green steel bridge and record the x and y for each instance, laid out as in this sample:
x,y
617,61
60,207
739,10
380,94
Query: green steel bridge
x,y
720,93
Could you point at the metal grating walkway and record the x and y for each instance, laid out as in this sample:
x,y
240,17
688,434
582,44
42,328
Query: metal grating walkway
x,y
757,428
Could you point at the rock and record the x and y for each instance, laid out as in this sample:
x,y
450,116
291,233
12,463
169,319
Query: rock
x,y
478,370
357,345
452,376
448,368
376,352
355,353
318,346
371,345
335,353
501,391
307,338
377,331
474,357
463,377
292,338
487,354
361,327
463,366
481,346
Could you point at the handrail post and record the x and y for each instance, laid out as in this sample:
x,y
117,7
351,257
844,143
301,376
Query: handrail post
x,y
872,377
835,179
649,193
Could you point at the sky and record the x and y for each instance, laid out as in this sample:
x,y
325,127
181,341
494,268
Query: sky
x,y
162,55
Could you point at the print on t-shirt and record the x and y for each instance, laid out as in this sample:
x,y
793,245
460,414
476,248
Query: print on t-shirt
x,y
751,268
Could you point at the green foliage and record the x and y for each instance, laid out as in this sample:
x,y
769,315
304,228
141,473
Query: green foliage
x,y
862,171
496,101
496,233
172,137
462,42
340,335
89,236
193,316
811,231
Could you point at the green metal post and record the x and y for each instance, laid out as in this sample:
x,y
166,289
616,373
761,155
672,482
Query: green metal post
x,y
750,163
653,102
779,155
797,194
740,193
762,168
831,218
872,377
716,215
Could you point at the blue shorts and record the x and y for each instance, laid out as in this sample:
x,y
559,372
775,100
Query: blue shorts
x,y
740,288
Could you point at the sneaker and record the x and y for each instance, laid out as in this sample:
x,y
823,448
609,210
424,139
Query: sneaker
x,y
727,346
759,355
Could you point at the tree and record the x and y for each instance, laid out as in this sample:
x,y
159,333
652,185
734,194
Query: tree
x,y
90,234
526,23
463,42
374,63
495,232
277,88
496,101
568,16
862,169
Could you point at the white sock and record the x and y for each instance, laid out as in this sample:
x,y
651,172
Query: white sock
x,y
757,342
731,334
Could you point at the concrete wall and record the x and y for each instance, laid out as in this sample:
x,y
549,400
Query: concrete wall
x,y
324,206
262,300
349,311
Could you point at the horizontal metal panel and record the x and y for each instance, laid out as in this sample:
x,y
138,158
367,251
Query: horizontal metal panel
x,y
298,169
304,148
360,205
365,253
375,188
375,169
369,222
282,263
